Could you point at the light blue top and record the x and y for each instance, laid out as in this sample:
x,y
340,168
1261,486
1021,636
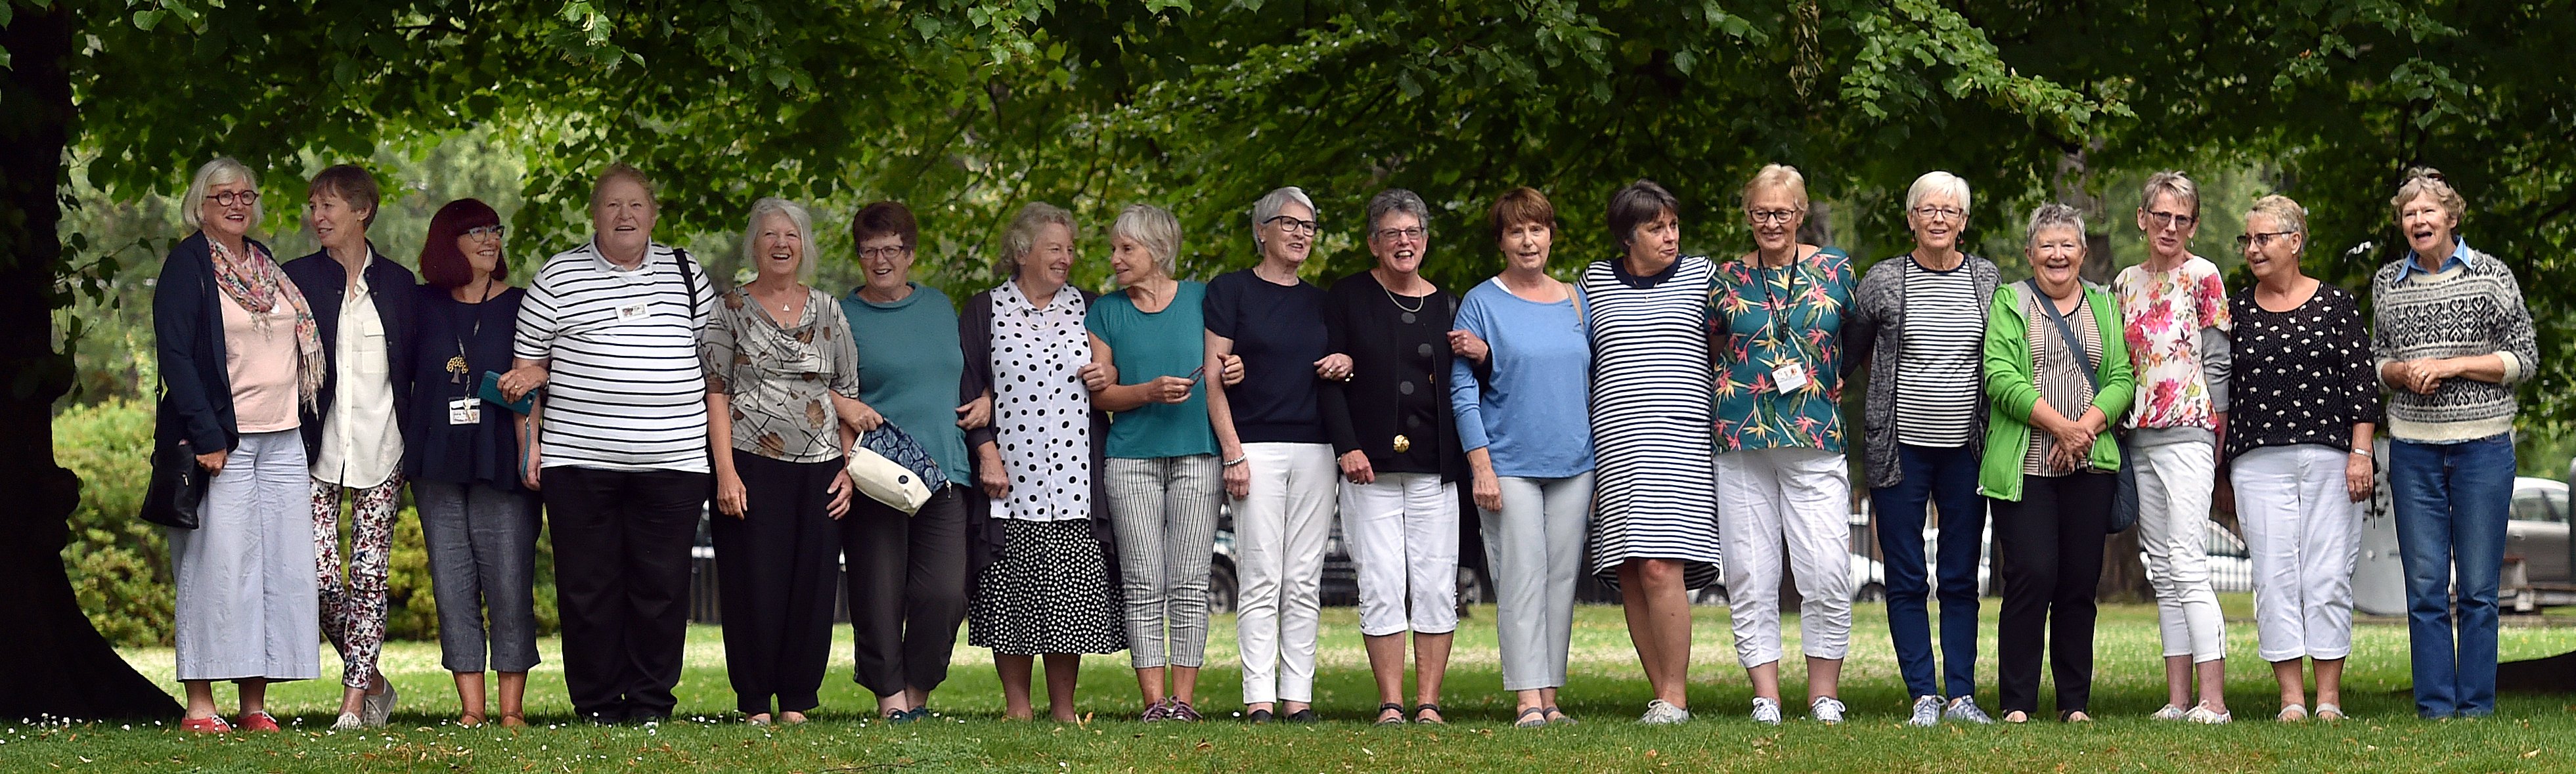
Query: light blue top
x,y
1145,345
1529,408
2460,256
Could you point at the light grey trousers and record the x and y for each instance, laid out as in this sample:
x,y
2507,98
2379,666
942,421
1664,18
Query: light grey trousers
x,y
1535,547
1164,510
482,561
247,605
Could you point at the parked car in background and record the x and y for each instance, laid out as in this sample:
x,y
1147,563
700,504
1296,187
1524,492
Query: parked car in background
x,y
1341,584
2536,562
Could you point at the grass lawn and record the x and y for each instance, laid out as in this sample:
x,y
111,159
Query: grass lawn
x,y
2534,733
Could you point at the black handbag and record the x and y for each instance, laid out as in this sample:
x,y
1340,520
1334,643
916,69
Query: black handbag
x,y
178,486
2124,494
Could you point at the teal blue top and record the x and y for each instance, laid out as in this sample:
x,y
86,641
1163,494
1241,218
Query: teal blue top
x,y
1764,323
910,367
1145,345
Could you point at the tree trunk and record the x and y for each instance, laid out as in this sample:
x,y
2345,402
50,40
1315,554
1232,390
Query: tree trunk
x,y
72,672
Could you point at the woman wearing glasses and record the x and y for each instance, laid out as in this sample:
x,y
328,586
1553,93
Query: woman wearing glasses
x,y
1400,462
1775,328
1277,459
2174,312
2298,450
478,521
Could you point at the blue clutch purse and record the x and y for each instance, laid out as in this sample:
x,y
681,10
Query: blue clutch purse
x,y
894,444
491,393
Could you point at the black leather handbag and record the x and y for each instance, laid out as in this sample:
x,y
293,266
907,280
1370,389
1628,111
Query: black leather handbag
x,y
178,486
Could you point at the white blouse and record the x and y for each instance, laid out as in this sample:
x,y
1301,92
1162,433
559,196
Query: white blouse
x,y
361,440
1041,413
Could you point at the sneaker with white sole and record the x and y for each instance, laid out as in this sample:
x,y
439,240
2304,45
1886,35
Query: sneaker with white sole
x,y
349,721
1927,712
1826,709
1766,711
378,708
1965,710
1663,713
2203,715
2170,712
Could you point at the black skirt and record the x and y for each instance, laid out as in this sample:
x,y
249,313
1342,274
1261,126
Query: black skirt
x,y
1048,592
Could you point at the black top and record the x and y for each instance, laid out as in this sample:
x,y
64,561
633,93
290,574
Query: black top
x,y
483,453
196,403
324,281
1278,330
1399,349
2301,376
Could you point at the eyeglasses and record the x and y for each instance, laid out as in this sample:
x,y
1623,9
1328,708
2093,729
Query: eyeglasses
x,y
883,253
1290,225
1413,233
2260,238
2166,220
229,198
1942,213
493,231
1766,217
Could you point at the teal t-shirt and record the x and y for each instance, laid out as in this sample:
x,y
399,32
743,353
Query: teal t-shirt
x,y
1144,345
1767,322
910,365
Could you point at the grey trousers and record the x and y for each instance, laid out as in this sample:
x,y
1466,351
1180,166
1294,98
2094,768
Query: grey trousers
x,y
1535,547
1165,510
247,605
482,561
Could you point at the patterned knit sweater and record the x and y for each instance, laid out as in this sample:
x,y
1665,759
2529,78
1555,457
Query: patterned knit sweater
x,y
2469,310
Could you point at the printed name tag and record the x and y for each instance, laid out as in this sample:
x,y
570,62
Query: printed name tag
x,y
465,411
628,312
1789,378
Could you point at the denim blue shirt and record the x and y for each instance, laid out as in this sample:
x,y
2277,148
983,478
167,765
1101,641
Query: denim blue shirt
x,y
2461,257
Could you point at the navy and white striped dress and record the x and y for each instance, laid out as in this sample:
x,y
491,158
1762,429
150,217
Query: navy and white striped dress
x,y
1651,430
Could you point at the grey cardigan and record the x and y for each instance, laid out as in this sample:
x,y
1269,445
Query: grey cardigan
x,y
1878,318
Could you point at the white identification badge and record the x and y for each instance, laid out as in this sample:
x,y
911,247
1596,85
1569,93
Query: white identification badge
x,y
630,312
1789,378
465,411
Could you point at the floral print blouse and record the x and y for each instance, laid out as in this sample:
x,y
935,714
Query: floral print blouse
x,y
2162,314
779,379
1768,324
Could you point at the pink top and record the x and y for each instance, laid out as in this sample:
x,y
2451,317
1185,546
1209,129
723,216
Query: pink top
x,y
259,355
2163,313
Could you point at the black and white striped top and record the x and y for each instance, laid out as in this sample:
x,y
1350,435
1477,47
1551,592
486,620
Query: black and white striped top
x,y
1655,469
626,390
1943,338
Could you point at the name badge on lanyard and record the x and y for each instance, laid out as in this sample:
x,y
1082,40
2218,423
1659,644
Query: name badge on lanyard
x,y
465,411
1789,378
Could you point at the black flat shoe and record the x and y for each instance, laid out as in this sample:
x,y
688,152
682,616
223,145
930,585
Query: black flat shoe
x,y
1258,717
1306,715
1430,714
1383,720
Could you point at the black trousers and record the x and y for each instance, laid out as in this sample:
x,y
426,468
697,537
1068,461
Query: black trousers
x,y
776,574
908,578
621,543
2049,548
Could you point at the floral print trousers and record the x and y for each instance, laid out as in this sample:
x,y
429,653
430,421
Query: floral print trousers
x,y
353,611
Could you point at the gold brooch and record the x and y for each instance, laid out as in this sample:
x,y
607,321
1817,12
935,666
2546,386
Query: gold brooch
x,y
1403,444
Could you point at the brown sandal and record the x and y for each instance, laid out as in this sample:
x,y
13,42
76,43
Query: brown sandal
x,y
513,720
470,720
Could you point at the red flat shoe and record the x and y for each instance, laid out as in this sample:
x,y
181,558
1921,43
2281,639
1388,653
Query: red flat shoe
x,y
205,725
258,721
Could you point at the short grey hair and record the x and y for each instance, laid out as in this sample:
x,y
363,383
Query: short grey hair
x,y
796,214
217,172
1022,236
2170,182
2052,215
1395,201
1270,205
2284,210
2427,181
1936,182
1155,229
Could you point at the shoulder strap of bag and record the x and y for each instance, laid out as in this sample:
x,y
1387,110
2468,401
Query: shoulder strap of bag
x,y
2049,307
688,280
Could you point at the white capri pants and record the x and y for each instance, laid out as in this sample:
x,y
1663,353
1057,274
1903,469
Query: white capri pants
x,y
1535,547
1802,497
2174,481
1279,534
1402,532
2304,532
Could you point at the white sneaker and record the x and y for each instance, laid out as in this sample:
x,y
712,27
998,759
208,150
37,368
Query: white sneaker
x,y
2170,712
1766,711
1826,709
2202,715
348,721
1663,713
1927,712
1965,710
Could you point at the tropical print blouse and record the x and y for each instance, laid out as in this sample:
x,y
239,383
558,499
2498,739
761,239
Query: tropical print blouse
x,y
1765,325
2162,314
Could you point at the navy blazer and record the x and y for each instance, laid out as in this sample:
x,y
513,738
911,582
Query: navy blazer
x,y
324,282
196,403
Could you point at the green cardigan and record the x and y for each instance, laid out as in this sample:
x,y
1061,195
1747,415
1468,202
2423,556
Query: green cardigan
x,y
2010,388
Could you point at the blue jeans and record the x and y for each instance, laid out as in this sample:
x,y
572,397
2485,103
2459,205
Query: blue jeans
x,y
2452,502
1946,478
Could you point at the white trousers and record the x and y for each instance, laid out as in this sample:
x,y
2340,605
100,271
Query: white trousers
x,y
1800,497
2304,533
1279,532
2174,482
1402,532
1535,547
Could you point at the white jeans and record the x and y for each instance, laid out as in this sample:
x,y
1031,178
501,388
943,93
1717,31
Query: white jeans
x,y
2174,481
1279,535
1535,547
1802,497
2304,533
1402,531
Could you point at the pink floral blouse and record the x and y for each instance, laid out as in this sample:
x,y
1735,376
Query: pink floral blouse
x,y
2163,313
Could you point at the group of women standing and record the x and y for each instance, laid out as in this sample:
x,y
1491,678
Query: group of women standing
x,y
1677,418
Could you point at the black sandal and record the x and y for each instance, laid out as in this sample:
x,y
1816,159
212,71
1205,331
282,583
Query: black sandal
x,y
1383,720
1430,714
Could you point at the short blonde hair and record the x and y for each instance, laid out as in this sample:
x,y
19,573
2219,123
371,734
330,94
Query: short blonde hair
x,y
1155,229
796,214
619,170
217,172
1936,182
2283,210
1781,176
2423,181
2170,182
1022,236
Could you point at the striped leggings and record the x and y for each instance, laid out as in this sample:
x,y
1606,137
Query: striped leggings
x,y
1165,511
